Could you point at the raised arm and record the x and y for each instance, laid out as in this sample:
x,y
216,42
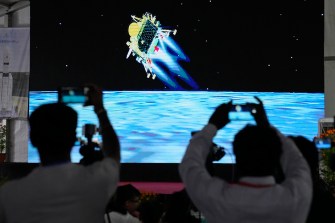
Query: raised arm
x,y
192,168
110,141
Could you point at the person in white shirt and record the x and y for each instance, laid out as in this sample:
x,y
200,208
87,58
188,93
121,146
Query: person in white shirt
x,y
255,197
59,190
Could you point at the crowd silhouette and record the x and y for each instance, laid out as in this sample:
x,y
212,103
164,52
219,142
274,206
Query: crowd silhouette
x,y
323,202
277,177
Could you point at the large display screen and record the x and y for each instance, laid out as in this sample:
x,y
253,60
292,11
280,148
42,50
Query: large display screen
x,y
165,66
155,126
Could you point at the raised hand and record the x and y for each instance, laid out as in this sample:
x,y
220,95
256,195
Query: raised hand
x,y
95,97
220,117
258,112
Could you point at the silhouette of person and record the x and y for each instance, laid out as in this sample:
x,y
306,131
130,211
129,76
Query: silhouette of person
x,y
151,210
323,202
255,197
332,161
58,190
123,206
179,208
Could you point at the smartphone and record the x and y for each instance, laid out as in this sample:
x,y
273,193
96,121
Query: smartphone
x,y
241,112
323,143
70,95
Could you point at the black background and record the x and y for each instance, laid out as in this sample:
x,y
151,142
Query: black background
x,y
232,45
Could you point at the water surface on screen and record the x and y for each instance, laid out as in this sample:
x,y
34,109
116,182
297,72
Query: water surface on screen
x,y
155,126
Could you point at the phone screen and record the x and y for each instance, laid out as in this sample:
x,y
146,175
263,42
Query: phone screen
x,y
72,95
241,112
240,116
324,143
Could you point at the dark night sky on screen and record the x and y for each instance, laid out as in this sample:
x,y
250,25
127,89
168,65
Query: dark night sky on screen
x,y
274,45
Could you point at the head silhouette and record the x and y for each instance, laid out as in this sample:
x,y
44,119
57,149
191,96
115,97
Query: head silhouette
x,y
53,130
126,199
309,151
257,150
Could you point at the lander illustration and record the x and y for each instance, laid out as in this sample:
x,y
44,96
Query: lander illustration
x,y
153,47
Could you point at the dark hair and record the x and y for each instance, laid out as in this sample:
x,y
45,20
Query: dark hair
x,y
178,209
257,150
53,126
151,210
123,193
308,150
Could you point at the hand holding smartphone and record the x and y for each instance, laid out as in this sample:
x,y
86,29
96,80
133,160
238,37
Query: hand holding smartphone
x,y
323,143
70,95
242,112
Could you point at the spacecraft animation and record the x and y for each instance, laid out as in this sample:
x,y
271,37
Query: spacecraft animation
x,y
153,47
